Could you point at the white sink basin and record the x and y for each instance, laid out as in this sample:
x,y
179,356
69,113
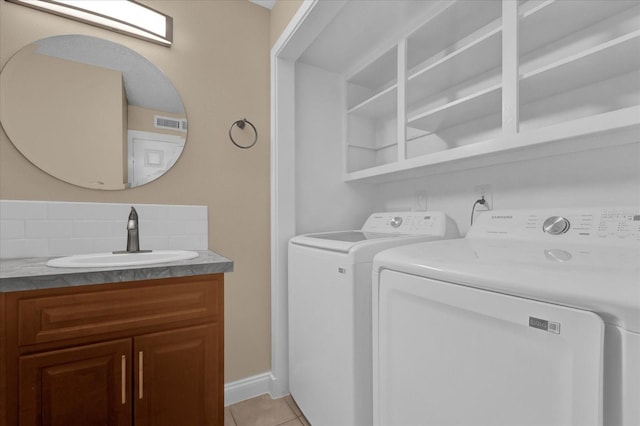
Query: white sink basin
x,y
121,259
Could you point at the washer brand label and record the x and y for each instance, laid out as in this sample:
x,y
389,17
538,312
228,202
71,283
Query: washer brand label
x,y
550,326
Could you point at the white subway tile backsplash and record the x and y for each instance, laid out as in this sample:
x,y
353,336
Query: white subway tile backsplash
x,y
13,248
188,240
69,246
202,241
11,229
157,243
153,228
63,210
187,213
105,245
196,227
48,229
37,247
97,228
43,229
22,210
153,212
176,227
109,211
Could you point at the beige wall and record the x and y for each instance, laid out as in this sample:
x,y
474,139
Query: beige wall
x,y
281,14
219,64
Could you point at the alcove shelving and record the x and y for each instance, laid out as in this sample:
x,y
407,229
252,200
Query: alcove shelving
x,y
583,65
374,91
457,79
372,103
441,93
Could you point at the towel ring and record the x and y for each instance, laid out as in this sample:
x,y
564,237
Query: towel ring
x,y
241,124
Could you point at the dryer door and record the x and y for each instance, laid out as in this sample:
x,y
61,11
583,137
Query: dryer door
x,y
446,354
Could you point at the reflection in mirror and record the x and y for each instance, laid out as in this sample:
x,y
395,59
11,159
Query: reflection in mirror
x,y
91,112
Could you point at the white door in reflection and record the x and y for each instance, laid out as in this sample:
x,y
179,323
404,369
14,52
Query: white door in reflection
x,y
151,155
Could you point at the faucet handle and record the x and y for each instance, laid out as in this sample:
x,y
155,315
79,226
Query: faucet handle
x,y
133,220
133,215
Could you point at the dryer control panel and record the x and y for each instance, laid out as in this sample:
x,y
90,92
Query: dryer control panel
x,y
618,226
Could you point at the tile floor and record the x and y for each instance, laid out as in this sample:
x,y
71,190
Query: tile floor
x,y
264,411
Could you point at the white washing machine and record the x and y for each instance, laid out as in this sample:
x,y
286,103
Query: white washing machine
x,y
330,312
532,319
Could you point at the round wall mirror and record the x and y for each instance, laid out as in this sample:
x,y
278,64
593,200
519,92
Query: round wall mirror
x,y
91,112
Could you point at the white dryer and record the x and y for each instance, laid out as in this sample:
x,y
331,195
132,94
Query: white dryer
x,y
532,319
330,312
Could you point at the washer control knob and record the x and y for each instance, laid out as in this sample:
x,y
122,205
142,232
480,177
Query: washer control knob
x,y
396,221
556,225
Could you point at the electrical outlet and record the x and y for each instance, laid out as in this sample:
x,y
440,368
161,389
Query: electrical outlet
x,y
487,192
420,201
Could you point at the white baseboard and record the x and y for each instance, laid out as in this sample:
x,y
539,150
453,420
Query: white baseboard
x,y
278,387
247,388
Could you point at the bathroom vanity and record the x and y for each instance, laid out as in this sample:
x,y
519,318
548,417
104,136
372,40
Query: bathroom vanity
x,y
140,346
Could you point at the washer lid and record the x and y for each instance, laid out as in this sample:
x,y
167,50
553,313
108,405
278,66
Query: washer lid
x,y
345,241
382,230
602,279
351,236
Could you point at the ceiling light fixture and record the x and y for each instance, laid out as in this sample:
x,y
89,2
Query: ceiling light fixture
x,y
123,16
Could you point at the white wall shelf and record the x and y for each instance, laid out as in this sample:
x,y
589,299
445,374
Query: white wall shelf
x,y
618,126
476,57
372,82
376,148
543,22
379,105
379,73
468,108
451,22
372,106
566,64
599,63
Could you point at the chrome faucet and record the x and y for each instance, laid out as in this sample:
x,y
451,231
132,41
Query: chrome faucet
x,y
133,238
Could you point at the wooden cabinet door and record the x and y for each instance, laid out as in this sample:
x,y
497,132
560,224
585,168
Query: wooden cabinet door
x,y
178,377
83,386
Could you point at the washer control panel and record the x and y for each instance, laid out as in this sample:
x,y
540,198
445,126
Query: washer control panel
x,y
610,226
409,223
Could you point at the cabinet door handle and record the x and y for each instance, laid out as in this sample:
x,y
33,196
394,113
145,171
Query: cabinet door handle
x,y
123,379
140,374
